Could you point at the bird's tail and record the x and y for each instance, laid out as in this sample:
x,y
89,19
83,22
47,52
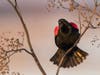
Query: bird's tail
x,y
73,58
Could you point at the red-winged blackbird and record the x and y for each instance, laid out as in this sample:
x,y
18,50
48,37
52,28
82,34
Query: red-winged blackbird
x,y
66,35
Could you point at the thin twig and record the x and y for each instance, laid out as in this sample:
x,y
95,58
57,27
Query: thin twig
x,y
19,50
28,38
85,8
80,21
61,5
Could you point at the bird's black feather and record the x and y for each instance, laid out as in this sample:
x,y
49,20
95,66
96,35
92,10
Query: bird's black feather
x,y
67,36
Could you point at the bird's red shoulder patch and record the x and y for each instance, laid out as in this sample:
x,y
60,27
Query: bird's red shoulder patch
x,y
56,29
74,25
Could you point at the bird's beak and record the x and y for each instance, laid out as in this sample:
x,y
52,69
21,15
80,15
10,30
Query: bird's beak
x,y
60,24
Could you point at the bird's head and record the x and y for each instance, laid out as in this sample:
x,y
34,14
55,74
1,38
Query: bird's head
x,y
64,25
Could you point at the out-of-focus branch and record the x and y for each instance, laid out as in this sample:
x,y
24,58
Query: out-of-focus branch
x,y
27,35
73,5
5,60
88,9
4,65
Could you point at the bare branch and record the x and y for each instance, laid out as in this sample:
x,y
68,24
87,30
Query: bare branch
x,y
18,50
88,9
16,3
92,26
61,5
28,37
80,21
73,5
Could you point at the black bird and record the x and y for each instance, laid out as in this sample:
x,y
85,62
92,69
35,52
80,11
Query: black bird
x,y
66,35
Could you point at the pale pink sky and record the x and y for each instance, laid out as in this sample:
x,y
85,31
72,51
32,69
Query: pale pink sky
x,y
40,24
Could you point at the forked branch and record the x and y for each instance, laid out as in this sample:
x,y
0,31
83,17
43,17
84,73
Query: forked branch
x,y
27,35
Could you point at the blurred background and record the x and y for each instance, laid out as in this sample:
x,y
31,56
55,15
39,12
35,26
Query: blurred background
x,y
40,24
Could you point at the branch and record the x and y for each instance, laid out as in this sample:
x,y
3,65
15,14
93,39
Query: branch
x,y
88,9
19,50
27,35
6,59
80,21
72,6
92,26
61,5
16,3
